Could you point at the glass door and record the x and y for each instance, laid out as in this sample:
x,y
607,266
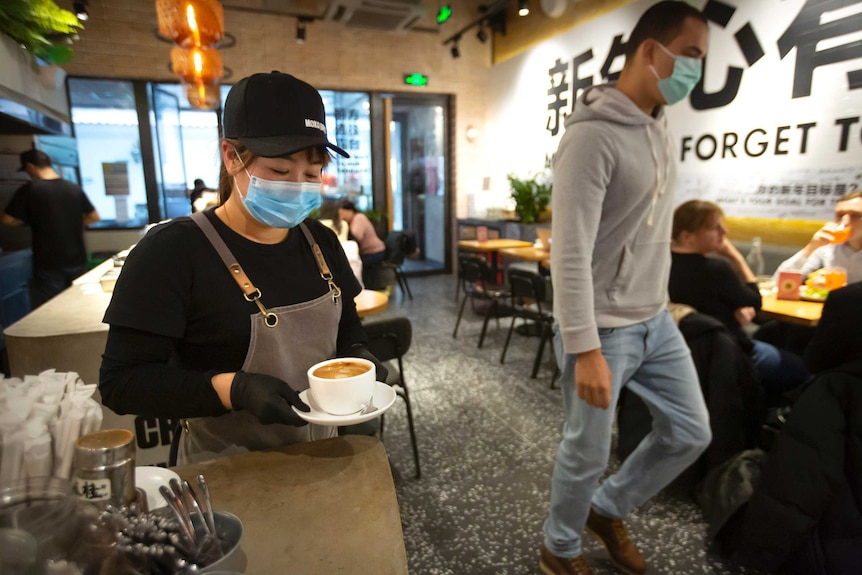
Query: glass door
x,y
168,148
418,171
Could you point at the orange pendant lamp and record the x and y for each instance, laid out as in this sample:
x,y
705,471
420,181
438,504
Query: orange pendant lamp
x,y
191,23
201,71
197,28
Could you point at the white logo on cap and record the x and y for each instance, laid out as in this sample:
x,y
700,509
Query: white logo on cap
x,y
315,124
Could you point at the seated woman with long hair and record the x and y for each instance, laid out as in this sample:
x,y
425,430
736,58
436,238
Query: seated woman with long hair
x,y
725,288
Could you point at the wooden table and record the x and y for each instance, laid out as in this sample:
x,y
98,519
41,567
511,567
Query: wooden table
x,y
370,302
492,247
800,312
530,254
325,506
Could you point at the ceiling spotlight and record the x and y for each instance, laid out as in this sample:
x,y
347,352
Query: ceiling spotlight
x,y
523,7
80,9
300,30
482,35
456,53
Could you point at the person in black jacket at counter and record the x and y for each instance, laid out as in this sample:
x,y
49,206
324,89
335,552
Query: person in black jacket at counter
x,y
194,335
57,212
805,515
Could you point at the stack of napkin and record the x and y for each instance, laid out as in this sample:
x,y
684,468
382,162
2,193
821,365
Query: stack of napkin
x,y
41,417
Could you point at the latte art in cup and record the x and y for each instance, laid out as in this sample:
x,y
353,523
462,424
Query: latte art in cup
x,y
342,386
340,370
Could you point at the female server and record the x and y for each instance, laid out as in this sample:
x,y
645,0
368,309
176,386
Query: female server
x,y
216,318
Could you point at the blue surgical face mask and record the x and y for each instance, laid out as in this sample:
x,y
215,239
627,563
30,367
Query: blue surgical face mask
x,y
280,204
686,74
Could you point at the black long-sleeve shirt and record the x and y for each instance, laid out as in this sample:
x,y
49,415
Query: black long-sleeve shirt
x,y
177,317
838,336
711,286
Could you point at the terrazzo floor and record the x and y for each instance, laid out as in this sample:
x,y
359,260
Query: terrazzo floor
x,y
487,438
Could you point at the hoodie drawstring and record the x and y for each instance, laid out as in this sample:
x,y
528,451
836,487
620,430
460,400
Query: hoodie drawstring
x,y
660,179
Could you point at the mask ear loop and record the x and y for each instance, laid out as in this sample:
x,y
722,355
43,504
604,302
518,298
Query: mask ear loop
x,y
669,53
241,163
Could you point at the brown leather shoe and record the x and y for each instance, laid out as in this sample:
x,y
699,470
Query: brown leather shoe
x,y
550,564
612,534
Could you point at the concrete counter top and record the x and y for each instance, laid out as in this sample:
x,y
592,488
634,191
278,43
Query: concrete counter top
x,y
326,506
66,333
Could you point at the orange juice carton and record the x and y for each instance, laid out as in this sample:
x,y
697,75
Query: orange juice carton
x,y
788,285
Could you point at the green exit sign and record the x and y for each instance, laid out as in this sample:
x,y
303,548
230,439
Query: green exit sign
x,y
444,14
416,80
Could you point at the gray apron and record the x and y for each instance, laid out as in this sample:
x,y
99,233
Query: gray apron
x,y
285,341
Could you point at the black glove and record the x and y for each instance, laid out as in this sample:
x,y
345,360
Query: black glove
x,y
267,398
360,350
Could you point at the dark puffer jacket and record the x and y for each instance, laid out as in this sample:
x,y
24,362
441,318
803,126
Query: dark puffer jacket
x,y
805,516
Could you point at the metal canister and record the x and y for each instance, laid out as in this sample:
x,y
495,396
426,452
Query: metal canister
x,y
104,470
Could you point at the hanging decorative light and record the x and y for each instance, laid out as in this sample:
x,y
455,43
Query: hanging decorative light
x,y
197,64
202,96
201,71
191,23
197,28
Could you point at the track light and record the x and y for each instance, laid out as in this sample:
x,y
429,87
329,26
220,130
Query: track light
x,y
456,53
80,9
523,7
482,35
300,29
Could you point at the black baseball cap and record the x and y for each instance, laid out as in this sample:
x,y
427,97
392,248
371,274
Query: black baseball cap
x,y
276,115
36,157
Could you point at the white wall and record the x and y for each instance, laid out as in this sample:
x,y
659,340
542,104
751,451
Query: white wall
x,y
785,181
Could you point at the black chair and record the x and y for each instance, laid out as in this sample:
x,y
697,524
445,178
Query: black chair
x,y
474,275
388,340
399,245
527,292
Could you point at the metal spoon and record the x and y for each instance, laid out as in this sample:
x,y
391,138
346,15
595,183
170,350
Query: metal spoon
x,y
192,504
207,503
177,488
176,505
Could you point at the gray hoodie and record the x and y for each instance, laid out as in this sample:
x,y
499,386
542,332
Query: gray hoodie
x,y
614,177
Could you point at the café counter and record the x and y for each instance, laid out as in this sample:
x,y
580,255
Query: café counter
x,y
67,334
326,506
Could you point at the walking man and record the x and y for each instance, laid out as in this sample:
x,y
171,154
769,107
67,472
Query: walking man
x,y
614,180
57,211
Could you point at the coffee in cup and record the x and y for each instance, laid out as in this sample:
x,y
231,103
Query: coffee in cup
x,y
340,369
344,385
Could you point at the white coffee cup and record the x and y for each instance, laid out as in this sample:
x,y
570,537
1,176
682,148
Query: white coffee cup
x,y
337,389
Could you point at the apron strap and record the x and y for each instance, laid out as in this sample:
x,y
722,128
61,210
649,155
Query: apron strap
x,y
321,263
250,292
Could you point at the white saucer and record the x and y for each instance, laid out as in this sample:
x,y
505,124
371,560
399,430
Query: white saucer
x,y
384,397
149,478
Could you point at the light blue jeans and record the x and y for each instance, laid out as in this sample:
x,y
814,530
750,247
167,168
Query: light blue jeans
x,y
652,360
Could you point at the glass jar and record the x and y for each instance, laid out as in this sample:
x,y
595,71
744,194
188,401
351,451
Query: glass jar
x,y
44,509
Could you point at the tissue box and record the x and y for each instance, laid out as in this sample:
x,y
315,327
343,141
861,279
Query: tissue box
x,y
788,285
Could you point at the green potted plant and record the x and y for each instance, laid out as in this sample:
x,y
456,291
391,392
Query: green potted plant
x,y
531,195
40,27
